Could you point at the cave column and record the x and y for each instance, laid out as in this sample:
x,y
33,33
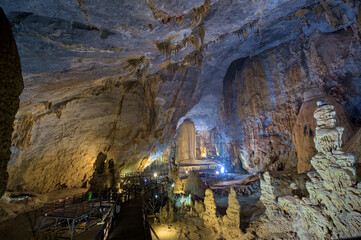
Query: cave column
x,y
186,142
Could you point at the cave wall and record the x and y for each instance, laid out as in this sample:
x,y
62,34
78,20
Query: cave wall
x,y
209,143
11,85
66,125
325,204
303,131
263,97
107,78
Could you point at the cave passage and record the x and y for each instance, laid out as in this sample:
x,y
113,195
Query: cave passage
x,y
187,119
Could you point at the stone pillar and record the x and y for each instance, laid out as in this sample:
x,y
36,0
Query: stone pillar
x,y
210,216
11,86
304,129
231,221
186,142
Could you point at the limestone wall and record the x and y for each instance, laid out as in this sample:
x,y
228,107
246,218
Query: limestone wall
x,y
262,101
331,207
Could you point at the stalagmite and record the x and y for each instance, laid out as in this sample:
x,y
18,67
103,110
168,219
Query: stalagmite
x,y
178,186
194,185
331,207
304,129
186,142
210,215
231,221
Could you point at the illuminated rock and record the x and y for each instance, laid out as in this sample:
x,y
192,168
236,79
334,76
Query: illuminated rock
x,y
210,215
178,186
231,221
194,185
199,208
304,129
166,213
330,209
186,142
105,78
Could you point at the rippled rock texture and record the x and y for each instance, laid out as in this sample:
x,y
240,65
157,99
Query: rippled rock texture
x,y
118,77
125,121
266,115
11,85
330,208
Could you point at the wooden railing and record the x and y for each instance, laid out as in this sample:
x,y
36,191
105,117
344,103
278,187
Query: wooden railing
x,y
150,190
146,174
74,206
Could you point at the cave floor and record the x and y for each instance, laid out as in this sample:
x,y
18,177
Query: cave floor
x,y
183,228
186,227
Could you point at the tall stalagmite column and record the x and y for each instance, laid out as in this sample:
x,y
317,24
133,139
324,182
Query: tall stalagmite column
x,y
11,86
186,141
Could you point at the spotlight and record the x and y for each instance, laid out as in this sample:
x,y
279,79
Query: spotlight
x,y
217,172
155,174
222,169
156,196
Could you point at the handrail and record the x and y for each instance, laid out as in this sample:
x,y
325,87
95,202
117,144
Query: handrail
x,y
107,223
77,205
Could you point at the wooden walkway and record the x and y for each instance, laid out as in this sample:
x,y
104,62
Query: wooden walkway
x,y
131,222
78,213
74,211
128,223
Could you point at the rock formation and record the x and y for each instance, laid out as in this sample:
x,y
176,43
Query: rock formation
x,y
11,85
304,129
210,215
186,142
331,206
107,78
104,174
231,221
178,186
166,213
194,185
263,97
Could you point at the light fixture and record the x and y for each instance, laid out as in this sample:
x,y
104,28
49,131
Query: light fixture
x,y
155,174
222,169
172,184
217,172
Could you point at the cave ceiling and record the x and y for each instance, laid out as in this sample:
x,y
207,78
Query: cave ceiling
x,y
98,37
118,76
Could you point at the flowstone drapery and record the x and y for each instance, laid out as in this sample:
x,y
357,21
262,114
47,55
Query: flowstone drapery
x,y
331,207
